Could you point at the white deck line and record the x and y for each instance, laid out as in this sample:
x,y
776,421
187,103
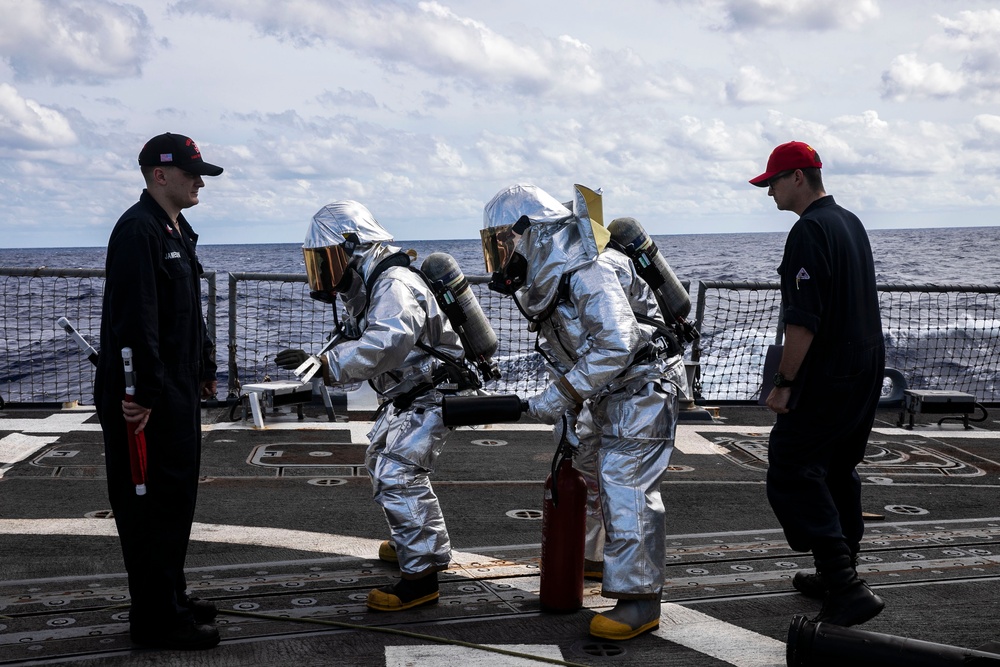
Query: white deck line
x,y
435,655
723,641
15,447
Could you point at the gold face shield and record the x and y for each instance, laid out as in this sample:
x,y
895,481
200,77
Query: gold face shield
x,y
498,246
325,268
508,268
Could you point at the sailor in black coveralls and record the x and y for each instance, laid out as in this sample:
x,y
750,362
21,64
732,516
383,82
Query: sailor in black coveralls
x,y
152,304
827,386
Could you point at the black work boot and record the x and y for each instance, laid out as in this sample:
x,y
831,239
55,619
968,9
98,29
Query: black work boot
x,y
182,637
204,612
812,585
849,600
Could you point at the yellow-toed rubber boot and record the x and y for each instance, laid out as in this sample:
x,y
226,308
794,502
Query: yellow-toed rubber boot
x,y
628,619
405,594
387,552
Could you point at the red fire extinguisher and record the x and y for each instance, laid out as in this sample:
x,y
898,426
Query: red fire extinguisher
x,y
564,525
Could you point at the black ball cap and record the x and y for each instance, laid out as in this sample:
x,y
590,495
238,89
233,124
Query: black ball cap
x,y
176,150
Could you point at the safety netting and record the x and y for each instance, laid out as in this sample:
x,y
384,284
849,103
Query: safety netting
x,y
938,337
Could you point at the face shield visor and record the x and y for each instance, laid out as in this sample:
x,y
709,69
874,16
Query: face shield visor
x,y
507,267
325,269
498,246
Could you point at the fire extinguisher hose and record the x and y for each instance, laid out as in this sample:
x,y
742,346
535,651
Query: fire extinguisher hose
x,y
563,451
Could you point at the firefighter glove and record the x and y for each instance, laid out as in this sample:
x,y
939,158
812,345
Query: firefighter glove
x,y
549,406
290,359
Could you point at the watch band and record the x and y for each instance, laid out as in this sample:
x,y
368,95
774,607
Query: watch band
x,y
781,381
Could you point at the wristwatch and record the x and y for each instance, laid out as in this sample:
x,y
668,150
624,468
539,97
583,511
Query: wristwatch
x,y
781,381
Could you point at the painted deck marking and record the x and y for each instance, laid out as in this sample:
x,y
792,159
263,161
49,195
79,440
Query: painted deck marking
x,y
16,447
280,538
721,640
419,656
67,421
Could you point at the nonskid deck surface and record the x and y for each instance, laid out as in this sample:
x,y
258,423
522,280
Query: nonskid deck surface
x,y
286,538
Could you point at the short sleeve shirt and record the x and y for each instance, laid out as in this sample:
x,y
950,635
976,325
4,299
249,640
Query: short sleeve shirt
x,y
828,277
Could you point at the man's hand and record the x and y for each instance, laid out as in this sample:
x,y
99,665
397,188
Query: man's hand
x,y
290,359
209,388
777,400
135,414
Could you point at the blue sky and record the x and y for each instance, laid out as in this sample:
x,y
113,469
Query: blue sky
x,y
424,110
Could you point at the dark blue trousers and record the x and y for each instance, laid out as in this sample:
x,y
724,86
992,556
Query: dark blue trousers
x,y
154,529
812,482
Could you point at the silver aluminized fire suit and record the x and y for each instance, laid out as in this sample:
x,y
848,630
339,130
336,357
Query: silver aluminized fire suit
x,y
642,302
389,317
601,355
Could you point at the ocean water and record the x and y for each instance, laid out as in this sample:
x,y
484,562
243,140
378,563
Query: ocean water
x,y
965,256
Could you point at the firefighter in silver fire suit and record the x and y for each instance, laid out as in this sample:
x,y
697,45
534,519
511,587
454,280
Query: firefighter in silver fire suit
x,y
645,306
397,337
552,261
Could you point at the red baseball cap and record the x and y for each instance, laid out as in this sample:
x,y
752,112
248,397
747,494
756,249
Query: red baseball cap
x,y
786,157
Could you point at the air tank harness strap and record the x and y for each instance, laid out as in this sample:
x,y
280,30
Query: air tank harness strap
x,y
458,374
663,337
450,377
396,259
562,295
660,347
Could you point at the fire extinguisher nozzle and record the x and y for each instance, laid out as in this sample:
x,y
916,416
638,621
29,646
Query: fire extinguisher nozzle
x,y
475,410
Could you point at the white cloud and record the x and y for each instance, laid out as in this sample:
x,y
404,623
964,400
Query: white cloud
x,y
462,57
870,145
972,36
800,14
449,160
630,79
974,29
908,77
27,125
986,137
988,125
348,98
428,37
74,41
750,86
737,15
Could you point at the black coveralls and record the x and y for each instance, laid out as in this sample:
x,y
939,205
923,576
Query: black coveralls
x,y
152,303
827,286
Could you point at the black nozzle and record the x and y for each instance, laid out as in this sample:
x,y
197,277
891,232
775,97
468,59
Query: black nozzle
x,y
475,410
824,645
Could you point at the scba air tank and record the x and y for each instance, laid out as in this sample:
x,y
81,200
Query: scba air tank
x,y
652,267
463,310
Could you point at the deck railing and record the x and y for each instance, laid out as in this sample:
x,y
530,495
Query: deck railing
x,y
938,336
